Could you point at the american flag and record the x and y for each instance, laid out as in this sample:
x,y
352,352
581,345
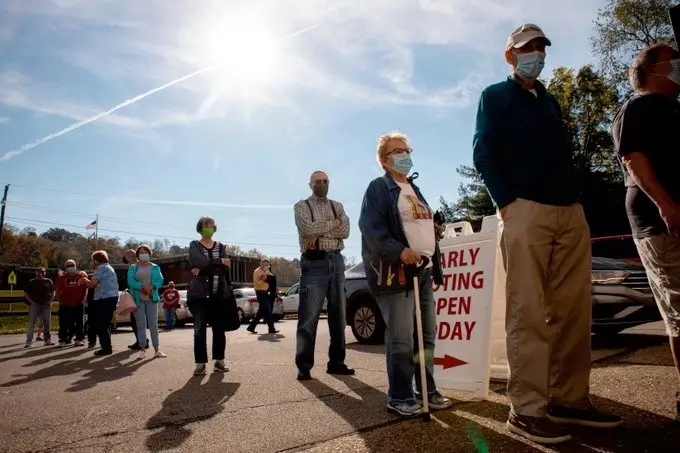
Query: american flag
x,y
91,226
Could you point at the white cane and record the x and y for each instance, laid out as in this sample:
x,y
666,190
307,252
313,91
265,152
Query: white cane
x,y
421,351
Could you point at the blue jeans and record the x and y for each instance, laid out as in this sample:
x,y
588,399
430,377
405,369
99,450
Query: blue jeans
x,y
319,280
401,340
147,312
169,318
39,312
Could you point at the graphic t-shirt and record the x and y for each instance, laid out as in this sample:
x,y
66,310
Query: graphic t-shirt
x,y
71,293
418,222
171,298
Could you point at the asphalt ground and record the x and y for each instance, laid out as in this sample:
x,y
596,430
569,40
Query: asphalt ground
x,y
66,400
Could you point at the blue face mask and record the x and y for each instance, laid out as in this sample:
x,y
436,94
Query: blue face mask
x,y
71,270
530,65
402,163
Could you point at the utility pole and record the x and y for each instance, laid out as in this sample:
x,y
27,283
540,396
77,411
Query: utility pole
x,y
2,214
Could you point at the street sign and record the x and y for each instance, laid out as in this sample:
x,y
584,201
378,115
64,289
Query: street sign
x,y
12,280
463,307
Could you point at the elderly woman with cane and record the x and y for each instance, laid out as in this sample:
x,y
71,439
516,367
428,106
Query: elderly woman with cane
x,y
399,242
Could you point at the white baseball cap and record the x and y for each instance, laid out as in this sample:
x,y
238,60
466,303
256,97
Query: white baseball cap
x,y
523,34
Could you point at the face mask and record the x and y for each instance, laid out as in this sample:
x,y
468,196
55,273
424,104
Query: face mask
x,y
144,257
71,270
207,233
402,163
674,75
320,189
530,65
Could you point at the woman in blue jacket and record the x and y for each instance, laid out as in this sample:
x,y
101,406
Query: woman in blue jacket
x,y
397,232
144,280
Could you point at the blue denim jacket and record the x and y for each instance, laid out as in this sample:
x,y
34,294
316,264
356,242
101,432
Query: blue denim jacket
x,y
382,234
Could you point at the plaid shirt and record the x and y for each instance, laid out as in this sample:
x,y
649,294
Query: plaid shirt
x,y
323,226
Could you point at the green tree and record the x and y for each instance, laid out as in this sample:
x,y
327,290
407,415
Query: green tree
x,y
623,28
474,202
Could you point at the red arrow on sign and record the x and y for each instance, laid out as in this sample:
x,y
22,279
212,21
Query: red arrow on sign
x,y
448,362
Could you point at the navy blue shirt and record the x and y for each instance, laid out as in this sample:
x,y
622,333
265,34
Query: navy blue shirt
x,y
521,147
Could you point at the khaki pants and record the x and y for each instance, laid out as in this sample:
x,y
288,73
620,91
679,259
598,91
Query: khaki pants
x,y
661,257
547,257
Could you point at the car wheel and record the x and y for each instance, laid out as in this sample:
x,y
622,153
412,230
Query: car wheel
x,y
367,323
607,331
241,316
277,318
179,323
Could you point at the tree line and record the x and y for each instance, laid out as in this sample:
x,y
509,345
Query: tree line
x,y
589,98
53,247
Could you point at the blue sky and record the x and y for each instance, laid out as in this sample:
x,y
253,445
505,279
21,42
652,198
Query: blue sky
x,y
239,141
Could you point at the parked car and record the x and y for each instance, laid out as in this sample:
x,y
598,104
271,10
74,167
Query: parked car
x,y
291,301
119,320
621,299
246,299
183,314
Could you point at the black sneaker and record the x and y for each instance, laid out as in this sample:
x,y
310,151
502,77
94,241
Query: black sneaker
x,y
341,370
537,429
304,375
589,417
103,352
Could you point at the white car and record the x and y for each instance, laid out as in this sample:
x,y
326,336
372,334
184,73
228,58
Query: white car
x,y
246,300
291,301
183,314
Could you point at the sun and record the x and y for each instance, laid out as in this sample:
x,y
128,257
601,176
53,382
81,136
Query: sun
x,y
239,49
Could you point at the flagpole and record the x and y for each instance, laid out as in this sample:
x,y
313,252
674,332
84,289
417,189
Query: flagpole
x,y
96,228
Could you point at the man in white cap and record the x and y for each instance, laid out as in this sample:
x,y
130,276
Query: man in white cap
x,y
523,153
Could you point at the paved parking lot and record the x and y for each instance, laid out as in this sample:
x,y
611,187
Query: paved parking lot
x,y
65,400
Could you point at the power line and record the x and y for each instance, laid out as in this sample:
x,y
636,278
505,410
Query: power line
x,y
134,222
133,233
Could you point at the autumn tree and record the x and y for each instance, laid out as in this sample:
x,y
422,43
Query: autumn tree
x,y
474,202
623,28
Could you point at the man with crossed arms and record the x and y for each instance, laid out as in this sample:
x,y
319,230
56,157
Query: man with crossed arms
x,y
322,226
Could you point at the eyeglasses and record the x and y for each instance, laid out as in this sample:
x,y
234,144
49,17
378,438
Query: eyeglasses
x,y
400,151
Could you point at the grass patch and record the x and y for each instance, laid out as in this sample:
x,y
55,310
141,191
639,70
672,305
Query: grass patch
x,y
19,324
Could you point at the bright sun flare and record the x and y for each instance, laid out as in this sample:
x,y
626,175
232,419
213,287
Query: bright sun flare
x,y
240,49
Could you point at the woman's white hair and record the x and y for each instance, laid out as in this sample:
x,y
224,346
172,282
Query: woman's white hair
x,y
382,144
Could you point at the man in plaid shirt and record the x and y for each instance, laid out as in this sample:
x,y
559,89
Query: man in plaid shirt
x,y
322,227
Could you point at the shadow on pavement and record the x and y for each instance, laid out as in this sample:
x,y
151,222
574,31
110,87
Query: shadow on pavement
x,y
192,403
642,431
407,435
99,369
367,348
272,338
34,351
65,354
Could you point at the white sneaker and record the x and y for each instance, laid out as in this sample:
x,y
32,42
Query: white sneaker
x,y
141,355
159,355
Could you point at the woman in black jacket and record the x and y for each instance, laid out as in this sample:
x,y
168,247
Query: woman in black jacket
x,y
207,294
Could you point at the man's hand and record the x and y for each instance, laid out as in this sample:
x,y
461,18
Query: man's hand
x,y
195,271
671,217
310,244
409,257
226,262
337,224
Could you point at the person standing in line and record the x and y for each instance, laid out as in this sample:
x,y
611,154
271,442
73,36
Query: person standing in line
x,y
130,258
397,231
645,137
170,304
103,305
207,294
71,296
144,279
39,294
264,310
322,227
524,156
91,330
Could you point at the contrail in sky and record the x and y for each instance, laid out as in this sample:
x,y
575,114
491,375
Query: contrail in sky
x,y
79,124
198,203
